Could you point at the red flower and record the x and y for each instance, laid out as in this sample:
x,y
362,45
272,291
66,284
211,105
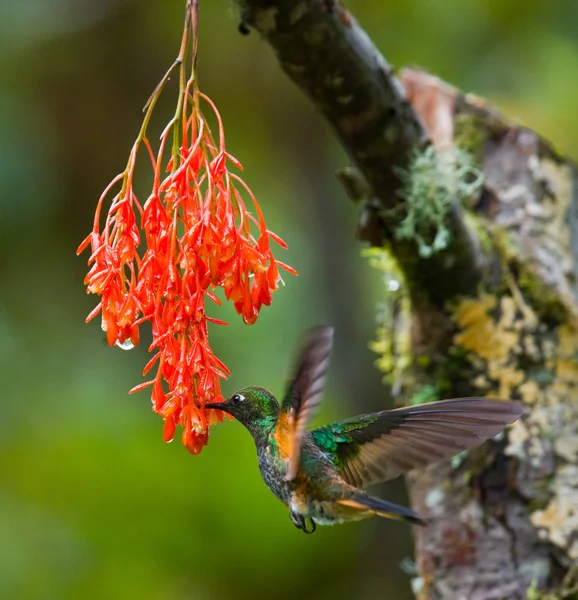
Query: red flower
x,y
196,235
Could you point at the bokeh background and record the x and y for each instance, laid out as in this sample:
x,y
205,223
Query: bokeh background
x,y
92,503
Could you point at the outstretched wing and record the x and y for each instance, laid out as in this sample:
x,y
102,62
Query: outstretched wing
x,y
379,446
303,397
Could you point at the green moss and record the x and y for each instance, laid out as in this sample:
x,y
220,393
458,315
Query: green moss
x,y
545,300
483,230
470,134
455,368
537,504
534,594
392,343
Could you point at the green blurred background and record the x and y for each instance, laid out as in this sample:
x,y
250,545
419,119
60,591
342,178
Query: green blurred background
x,y
92,503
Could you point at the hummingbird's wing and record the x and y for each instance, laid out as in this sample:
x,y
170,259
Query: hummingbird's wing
x,y
376,447
303,396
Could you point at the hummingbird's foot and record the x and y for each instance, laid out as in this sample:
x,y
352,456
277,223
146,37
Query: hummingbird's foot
x,y
313,527
301,523
298,520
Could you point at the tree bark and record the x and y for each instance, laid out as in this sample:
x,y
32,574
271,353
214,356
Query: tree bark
x,y
493,314
515,336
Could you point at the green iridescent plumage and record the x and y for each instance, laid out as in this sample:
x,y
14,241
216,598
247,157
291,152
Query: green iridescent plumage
x,y
330,437
337,439
318,474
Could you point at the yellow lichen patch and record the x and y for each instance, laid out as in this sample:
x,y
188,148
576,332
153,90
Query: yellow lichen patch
x,y
491,331
566,360
529,391
508,378
559,520
481,334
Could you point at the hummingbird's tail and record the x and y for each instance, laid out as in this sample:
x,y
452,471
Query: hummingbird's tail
x,y
381,508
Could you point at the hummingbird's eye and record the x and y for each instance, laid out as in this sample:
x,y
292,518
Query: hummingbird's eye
x,y
237,399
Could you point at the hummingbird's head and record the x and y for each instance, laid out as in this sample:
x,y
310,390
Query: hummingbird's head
x,y
255,407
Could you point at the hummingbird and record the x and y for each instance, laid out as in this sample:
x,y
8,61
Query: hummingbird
x,y
320,474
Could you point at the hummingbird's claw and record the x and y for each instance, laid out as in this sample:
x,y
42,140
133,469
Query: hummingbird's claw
x,y
313,527
297,519
301,523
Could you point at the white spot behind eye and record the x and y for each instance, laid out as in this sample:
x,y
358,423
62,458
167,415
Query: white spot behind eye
x,y
237,399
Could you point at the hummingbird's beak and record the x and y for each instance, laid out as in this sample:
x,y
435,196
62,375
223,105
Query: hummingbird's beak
x,y
218,406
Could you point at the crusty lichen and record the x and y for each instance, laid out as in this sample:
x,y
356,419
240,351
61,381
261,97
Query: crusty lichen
x,y
558,522
517,355
492,331
558,412
555,261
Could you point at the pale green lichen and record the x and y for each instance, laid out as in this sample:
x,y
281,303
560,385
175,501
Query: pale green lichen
x,y
432,182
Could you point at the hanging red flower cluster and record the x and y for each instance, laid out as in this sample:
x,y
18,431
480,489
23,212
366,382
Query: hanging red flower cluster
x,y
198,235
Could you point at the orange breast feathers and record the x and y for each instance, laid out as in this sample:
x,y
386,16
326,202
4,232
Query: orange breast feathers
x,y
284,435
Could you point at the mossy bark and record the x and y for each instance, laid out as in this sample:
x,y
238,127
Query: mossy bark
x,y
494,314
504,521
324,51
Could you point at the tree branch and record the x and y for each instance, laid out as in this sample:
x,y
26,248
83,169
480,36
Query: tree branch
x,y
325,52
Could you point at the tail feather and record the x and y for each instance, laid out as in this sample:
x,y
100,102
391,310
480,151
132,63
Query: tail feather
x,y
382,508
